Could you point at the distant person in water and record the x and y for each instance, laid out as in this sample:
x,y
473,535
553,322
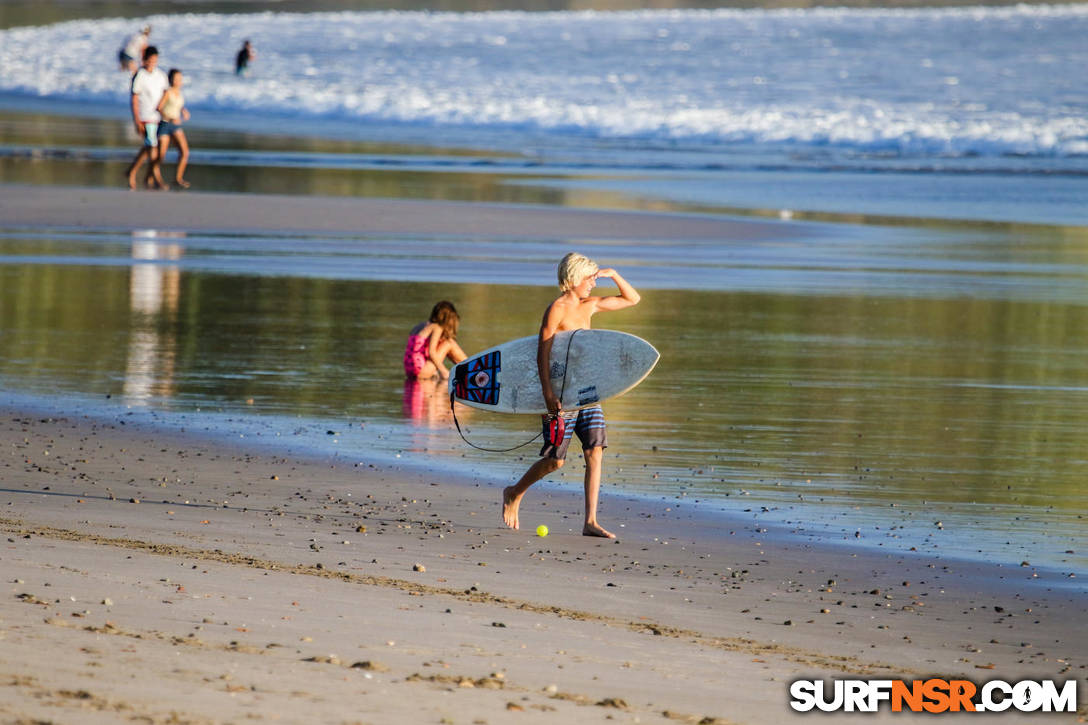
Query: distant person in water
x,y
173,111
148,85
572,310
431,342
133,49
245,56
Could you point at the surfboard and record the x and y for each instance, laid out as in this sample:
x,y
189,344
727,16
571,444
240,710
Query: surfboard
x,y
587,366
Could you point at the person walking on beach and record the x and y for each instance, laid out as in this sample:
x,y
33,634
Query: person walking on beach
x,y
173,111
148,85
431,342
572,310
134,48
245,56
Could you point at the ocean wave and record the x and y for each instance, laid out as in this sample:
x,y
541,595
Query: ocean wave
x,y
906,82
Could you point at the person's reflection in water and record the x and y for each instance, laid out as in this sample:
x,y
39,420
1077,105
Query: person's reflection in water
x,y
427,402
154,292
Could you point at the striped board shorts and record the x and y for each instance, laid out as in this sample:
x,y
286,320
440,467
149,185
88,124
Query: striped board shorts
x,y
588,423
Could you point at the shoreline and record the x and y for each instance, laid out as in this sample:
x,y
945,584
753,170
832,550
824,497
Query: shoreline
x,y
811,526
118,503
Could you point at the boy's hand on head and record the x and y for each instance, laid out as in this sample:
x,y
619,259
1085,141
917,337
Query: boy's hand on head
x,y
606,272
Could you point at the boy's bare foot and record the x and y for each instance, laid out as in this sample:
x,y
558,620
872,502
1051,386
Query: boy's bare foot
x,y
597,530
510,504
182,183
131,183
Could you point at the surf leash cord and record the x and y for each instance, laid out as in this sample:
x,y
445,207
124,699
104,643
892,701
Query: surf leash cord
x,y
562,390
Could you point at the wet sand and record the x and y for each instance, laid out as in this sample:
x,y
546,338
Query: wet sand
x,y
96,208
159,577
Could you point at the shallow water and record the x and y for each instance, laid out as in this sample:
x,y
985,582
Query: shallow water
x,y
860,384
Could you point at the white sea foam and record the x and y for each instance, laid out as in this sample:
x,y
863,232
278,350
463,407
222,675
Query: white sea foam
x,y
911,82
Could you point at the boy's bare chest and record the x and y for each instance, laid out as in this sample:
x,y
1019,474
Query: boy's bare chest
x,y
576,318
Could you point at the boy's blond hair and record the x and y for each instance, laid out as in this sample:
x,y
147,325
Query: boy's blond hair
x,y
574,268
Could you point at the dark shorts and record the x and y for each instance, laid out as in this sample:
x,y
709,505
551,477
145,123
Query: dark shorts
x,y
588,423
166,128
125,58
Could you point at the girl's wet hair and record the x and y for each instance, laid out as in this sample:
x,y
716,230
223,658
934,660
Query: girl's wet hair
x,y
445,316
173,72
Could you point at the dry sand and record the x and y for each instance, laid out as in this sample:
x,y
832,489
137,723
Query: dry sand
x,y
153,576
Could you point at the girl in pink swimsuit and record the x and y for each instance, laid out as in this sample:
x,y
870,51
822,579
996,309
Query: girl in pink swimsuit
x,y
431,342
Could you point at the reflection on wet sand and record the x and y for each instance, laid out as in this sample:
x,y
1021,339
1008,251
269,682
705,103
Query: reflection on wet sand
x,y
426,403
154,289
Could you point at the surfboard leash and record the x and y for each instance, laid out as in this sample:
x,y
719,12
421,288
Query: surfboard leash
x,y
481,448
562,390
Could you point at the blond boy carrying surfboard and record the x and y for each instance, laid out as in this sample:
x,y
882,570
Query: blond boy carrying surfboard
x,y
572,310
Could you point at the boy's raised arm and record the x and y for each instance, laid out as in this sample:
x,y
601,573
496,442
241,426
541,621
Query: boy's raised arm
x,y
627,297
548,328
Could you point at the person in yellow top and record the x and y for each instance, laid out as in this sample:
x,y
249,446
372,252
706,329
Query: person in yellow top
x,y
173,111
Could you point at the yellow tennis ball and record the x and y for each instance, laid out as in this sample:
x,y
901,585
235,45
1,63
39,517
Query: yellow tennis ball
x,y
542,530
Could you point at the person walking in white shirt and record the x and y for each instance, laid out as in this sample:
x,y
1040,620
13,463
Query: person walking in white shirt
x,y
148,85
